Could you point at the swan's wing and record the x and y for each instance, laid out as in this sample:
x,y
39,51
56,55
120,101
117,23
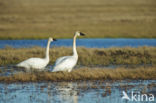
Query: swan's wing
x,y
28,61
23,63
31,63
65,63
59,60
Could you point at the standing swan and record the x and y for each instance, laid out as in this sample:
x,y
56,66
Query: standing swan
x,y
66,63
37,63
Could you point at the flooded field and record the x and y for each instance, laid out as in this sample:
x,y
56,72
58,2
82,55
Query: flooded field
x,y
87,83
89,43
77,92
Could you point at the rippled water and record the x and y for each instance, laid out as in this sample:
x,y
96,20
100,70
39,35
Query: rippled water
x,y
90,43
74,92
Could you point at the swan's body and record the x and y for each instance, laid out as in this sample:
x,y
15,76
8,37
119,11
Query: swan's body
x,y
37,63
34,63
67,63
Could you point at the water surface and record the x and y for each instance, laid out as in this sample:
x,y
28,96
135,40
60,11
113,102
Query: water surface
x,y
90,43
74,92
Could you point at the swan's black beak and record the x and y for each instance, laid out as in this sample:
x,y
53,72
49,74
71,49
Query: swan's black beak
x,y
54,39
82,34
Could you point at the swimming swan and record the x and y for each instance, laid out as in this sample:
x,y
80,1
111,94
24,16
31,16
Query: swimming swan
x,y
66,63
37,63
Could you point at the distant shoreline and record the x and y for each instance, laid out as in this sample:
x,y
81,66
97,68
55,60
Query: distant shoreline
x,y
98,37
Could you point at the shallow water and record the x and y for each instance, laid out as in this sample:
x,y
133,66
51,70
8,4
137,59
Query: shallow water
x,y
90,43
75,92
72,92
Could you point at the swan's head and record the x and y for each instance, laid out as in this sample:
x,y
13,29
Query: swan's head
x,y
78,33
52,39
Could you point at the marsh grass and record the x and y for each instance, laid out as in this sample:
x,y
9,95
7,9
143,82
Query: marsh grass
x,y
84,74
38,19
87,56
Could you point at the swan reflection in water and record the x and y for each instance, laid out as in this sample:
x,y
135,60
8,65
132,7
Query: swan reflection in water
x,y
67,92
63,92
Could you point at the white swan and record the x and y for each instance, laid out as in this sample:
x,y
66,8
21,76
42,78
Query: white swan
x,y
66,63
37,63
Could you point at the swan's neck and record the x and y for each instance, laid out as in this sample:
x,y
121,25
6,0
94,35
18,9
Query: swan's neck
x,y
47,51
74,46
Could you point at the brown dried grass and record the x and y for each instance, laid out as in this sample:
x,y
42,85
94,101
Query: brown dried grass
x,y
84,74
87,56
